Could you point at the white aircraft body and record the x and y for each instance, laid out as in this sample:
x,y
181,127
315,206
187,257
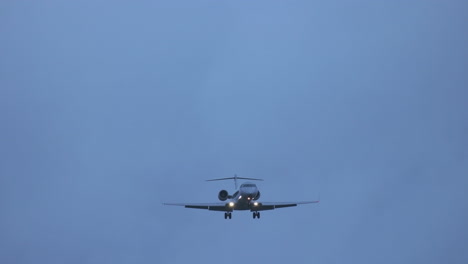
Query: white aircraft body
x,y
245,198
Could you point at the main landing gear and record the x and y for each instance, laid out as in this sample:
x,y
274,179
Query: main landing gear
x,y
227,215
256,215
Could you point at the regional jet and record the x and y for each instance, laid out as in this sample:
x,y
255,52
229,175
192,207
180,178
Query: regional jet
x,y
244,198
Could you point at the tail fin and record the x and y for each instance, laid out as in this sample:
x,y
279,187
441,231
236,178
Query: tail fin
x,y
235,178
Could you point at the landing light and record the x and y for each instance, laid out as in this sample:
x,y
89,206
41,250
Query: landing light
x,y
255,204
240,197
231,204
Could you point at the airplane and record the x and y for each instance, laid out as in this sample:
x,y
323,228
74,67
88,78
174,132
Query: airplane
x,y
244,198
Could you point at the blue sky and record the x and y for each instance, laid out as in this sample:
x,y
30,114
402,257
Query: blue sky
x,y
109,108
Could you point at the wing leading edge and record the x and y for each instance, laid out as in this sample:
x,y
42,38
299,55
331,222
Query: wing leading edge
x,y
272,205
206,206
262,206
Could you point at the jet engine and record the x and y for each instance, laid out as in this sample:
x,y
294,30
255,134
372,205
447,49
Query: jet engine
x,y
223,195
257,196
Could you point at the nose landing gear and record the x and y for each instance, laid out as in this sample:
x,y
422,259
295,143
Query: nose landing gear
x,y
256,215
227,215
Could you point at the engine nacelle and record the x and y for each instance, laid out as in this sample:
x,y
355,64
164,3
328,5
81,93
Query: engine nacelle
x,y
223,195
257,196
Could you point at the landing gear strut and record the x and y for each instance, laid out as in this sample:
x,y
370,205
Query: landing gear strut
x,y
227,215
256,215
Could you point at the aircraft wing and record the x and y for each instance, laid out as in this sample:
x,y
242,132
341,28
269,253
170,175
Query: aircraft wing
x,y
263,206
206,206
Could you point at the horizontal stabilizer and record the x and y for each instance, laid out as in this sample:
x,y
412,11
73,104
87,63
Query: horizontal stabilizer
x,y
235,178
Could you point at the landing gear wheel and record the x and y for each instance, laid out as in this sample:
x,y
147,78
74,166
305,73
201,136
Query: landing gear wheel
x,y
230,215
225,215
258,215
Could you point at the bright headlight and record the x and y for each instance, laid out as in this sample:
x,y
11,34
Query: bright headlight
x,y
255,204
231,204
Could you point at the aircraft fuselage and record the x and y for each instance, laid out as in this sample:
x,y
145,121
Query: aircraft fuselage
x,y
244,198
